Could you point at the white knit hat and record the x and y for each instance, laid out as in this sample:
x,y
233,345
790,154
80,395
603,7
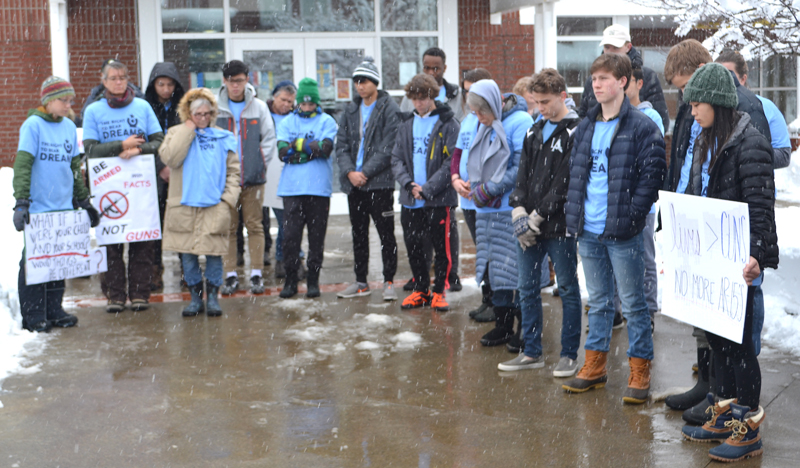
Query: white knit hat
x,y
368,70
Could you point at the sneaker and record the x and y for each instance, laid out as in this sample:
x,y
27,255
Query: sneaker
x,y
438,303
114,307
455,285
139,305
415,300
619,321
388,292
566,367
355,290
745,439
256,285
409,286
522,362
231,285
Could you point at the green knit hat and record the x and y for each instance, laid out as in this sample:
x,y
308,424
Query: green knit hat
x,y
307,91
713,84
55,88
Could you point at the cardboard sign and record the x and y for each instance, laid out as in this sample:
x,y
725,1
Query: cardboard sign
x,y
58,246
705,244
126,197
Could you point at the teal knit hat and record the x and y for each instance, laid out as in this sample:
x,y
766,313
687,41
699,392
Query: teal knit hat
x,y
713,84
308,91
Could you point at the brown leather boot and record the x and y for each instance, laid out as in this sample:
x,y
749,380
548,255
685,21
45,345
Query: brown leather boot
x,y
592,375
638,382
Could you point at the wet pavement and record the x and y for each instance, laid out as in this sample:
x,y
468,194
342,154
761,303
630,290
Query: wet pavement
x,y
345,383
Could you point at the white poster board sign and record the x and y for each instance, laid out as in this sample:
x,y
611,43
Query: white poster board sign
x,y
58,246
705,245
125,194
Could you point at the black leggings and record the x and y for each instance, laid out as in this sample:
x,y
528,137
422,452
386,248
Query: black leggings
x,y
736,365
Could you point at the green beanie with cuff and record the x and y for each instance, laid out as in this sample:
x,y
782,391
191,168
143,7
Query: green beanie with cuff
x,y
713,84
307,91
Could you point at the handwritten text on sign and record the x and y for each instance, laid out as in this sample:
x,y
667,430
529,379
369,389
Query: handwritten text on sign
x,y
126,196
57,246
705,244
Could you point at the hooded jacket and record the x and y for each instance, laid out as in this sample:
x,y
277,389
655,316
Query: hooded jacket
x,y
743,173
636,167
256,136
437,190
166,117
543,177
452,93
378,143
651,90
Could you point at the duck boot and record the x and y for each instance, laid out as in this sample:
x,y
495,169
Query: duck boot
x,y
592,375
698,393
312,285
638,382
503,329
515,344
56,315
718,428
196,306
745,440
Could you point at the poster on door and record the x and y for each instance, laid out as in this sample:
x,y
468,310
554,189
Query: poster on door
x,y
125,194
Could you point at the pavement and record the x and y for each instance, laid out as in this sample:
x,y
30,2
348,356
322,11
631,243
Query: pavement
x,y
345,383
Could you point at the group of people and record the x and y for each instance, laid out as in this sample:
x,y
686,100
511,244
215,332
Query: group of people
x,y
535,177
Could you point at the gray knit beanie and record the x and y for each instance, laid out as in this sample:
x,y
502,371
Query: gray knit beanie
x,y
712,83
368,70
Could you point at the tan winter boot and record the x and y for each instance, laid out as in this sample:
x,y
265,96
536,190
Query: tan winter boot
x,y
592,375
638,382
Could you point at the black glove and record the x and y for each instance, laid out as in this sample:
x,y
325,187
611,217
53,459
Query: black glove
x,y
21,216
94,216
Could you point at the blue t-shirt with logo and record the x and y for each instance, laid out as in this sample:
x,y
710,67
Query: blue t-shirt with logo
x,y
53,145
277,118
777,124
236,109
704,175
442,97
105,124
686,169
205,169
316,176
366,111
421,132
655,117
595,207
469,127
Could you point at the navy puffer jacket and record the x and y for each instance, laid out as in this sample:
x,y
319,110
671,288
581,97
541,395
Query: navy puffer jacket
x,y
636,169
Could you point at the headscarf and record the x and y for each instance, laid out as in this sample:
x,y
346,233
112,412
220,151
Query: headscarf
x,y
489,159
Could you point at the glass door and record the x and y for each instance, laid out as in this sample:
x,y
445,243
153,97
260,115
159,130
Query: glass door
x,y
331,62
271,61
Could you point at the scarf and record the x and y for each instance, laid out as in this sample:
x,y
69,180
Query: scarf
x,y
119,102
308,115
488,159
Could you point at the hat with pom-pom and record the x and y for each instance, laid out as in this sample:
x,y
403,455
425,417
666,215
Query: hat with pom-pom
x,y
368,70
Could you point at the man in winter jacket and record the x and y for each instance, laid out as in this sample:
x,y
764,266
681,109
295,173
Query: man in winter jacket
x,y
249,119
617,40
617,168
164,92
433,64
365,141
540,225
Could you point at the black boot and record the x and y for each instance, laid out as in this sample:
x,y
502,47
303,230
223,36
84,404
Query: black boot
x,y
289,286
32,304
504,327
486,303
697,414
313,285
56,315
212,301
515,344
698,393
196,306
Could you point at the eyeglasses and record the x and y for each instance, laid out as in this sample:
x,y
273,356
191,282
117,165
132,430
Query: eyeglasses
x,y
202,115
431,69
118,78
238,81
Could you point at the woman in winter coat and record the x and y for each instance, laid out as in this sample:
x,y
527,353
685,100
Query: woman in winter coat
x,y
204,185
492,168
733,161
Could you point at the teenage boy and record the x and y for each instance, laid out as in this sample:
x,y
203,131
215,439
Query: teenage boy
x,y
421,165
305,144
433,64
540,226
250,121
365,141
617,168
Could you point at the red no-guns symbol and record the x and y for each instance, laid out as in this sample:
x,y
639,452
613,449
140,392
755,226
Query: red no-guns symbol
x,y
114,205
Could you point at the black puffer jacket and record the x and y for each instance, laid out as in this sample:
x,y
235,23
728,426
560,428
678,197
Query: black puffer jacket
x,y
650,92
543,177
743,173
636,168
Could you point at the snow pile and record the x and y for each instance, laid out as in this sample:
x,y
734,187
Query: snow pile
x,y
787,181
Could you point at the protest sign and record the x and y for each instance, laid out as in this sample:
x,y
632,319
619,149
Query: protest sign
x,y
125,194
705,244
58,246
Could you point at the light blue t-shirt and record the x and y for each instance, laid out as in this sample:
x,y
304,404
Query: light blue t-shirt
x,y
205,169
442,97
236,109
705,176
469,127
316,176
655,117
777,124
366,111
548,129
595,207
422,128
105,124
277,118
686,169
53,145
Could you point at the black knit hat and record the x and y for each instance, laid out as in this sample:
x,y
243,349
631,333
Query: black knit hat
x,y
713,84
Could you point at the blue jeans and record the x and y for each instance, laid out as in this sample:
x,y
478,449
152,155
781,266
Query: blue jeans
x,y
545,277
603,261
564,253
194,275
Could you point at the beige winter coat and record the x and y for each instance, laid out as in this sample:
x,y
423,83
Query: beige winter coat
x,y
199,231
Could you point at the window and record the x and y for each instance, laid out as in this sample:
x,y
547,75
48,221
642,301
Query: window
x,y
582,26
199,61
302,15
409,15
402,57
197,16
775,78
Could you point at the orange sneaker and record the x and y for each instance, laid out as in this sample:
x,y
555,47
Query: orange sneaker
x,y
416,300
439,304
